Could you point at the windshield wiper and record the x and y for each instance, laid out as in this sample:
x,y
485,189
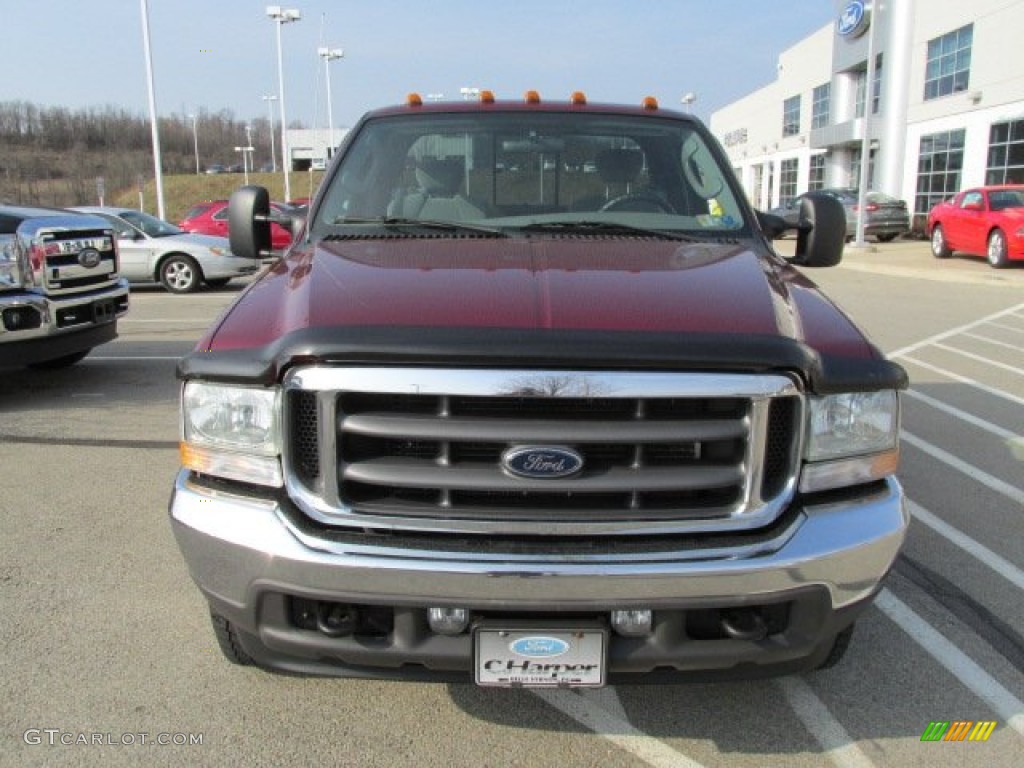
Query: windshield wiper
x,y
398,221
606,227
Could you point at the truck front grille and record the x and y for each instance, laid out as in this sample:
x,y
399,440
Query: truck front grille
x,y
64,272
423,449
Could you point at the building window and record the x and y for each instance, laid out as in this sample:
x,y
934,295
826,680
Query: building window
x,y
788,172
816,179
948,68
939,164
758,187
1006,153
855,169
876,85
820,105
876,88
791,116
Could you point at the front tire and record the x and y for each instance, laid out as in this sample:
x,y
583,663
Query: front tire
x,y
939,248
839,647
227,639
180,274
997,251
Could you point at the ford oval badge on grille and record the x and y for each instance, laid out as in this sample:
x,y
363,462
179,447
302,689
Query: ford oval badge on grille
x,y
89,258
541,461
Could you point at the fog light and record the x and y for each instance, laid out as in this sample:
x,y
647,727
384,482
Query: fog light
x,y
21,318
633,623
448,621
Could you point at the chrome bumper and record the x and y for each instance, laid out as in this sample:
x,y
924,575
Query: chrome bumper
x,y
239,549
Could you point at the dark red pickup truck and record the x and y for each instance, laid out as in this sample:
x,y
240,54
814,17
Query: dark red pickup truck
x,y
532,401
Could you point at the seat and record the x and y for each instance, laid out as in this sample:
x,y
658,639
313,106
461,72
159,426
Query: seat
x,y
618,169
438,197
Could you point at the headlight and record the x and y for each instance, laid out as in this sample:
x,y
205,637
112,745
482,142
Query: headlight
x,y
231,432
852,438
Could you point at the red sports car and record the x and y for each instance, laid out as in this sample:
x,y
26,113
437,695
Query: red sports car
x,y
211,218
984,221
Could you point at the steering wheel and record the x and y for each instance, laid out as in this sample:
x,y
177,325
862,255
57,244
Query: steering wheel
x,y
644,201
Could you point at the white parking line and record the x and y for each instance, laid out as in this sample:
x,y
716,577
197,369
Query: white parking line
x,y
589,713
133,358
965,380
999,564
1013,328
981,359
163,320
970,418
1007,706
989,481
994,342
954,331
822,725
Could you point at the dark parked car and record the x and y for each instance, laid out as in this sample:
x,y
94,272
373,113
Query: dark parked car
x,y
984,221
887,217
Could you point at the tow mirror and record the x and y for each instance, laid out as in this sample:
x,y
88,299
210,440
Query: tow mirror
x,y
249,222
821,231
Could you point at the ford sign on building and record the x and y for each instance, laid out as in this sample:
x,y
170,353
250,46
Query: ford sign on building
x,y
854,20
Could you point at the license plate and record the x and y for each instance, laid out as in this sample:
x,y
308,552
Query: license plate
x,y
540,657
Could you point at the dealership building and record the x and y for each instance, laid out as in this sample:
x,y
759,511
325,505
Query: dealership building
x,y
940,107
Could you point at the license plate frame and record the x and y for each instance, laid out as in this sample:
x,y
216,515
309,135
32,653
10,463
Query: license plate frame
x,y
540,655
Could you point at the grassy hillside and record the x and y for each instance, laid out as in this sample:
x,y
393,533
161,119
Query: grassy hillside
x,y
182,192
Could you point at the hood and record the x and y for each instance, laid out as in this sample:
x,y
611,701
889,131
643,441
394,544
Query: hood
x,y
509,297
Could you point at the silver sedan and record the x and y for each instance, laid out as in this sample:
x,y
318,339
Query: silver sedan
x,y
153,250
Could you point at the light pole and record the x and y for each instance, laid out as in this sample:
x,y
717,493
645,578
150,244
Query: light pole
x,y
865,141
270,108
281,17
688,100
195,140
246,152
329,55
152,111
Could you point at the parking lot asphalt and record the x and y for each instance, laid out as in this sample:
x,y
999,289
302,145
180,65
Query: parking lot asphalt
x,y
107,646
913,258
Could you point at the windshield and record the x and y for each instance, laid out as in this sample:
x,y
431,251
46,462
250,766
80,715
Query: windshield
x,y
151,225
506,171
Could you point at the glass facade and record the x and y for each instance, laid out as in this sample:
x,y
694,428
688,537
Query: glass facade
x,y
940,162
791,116
1005,153
948,67
820,105
788,173
816,177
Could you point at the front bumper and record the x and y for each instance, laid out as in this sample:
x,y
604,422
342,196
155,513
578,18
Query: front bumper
x,y
249,561
64,325
220,267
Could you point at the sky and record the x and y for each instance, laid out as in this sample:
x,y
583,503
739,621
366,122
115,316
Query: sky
x,y
214,55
